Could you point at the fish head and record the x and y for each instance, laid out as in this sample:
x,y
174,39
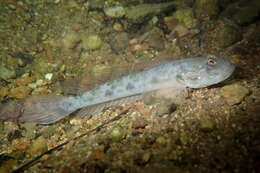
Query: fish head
x,y
202,72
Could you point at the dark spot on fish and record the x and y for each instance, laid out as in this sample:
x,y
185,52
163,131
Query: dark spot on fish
x,y
154,80
108,93
119,90
113,86
67,104
93,92
130,86
133,78
90,99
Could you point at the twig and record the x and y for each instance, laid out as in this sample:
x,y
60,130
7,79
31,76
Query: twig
x,y
32,162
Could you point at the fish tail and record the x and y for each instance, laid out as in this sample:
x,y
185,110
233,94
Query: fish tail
x,y
39,109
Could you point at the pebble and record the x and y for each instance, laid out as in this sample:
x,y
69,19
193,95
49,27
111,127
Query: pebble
x,y
7,73
139,122
206,125
70,40
161,140
186,17
146,157
164,106
184,137
115,12
234,94
120,41
118,27
39,146
25,80
48,76
91,42
4,92
20,92
117,134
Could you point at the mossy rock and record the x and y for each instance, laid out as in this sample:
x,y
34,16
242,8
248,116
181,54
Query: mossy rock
x,y
228,35
206,9
92,42
186,17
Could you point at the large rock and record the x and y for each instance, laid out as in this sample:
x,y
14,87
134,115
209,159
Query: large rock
x,y
7,73
234,93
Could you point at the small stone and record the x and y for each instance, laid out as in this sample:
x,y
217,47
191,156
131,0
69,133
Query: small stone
x,y
117,134
20,92
165,106
56,1
7,73
39,146
184,137
39,82
96,4
186,17
48,76
115,12
4,92
48,132
139,122
120,41
118,27
92,42
155,39
71,40
234,93
161,140
207,125
98,155
25,80
146,157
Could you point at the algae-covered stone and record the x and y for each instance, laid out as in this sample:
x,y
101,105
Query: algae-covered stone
x,y
228,35
96,4
39,146
120,41
4,92
92,42
205,9
20,92
184,137
234,93
7,73
161,140
165,106
186,17
115,12
139,12
207,125
70,40
99,70
117,134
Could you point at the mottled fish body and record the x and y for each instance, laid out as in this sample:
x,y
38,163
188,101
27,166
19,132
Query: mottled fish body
x,y
195,72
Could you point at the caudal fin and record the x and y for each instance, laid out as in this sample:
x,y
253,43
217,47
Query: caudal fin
x,y
42,109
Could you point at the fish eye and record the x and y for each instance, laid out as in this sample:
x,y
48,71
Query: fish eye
x,y
211,62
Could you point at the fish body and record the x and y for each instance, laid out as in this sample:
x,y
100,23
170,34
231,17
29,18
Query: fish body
x,y
195,72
